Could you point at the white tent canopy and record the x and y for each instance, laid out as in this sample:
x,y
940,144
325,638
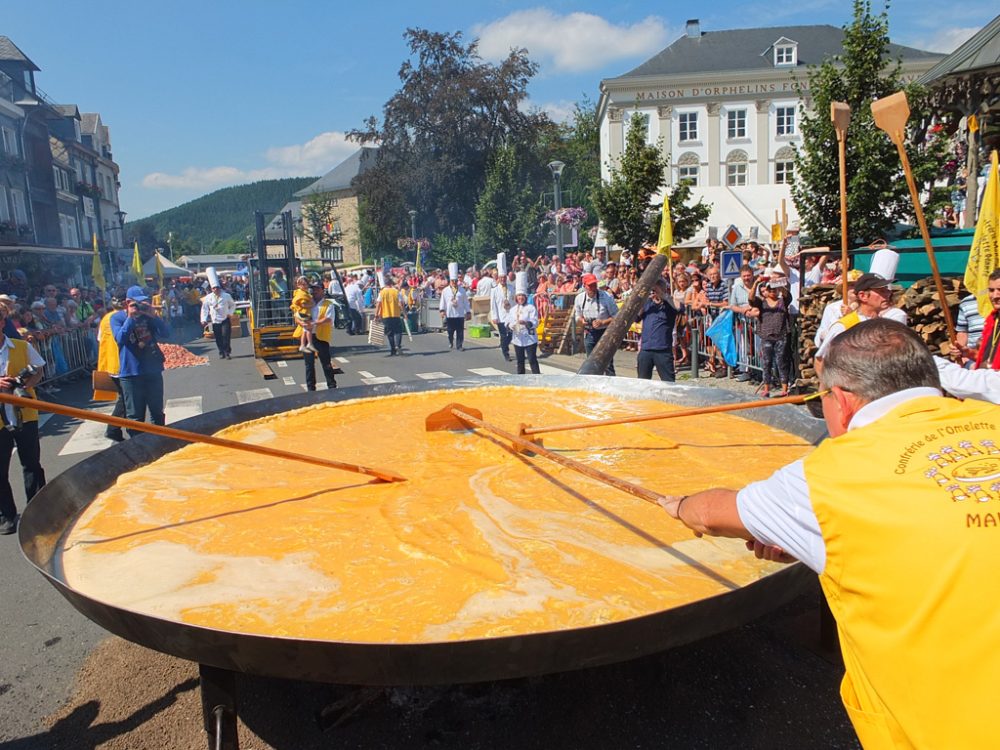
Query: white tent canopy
x,y
170,269
746,207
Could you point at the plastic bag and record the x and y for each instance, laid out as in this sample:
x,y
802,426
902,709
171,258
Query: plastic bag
x,y
722,335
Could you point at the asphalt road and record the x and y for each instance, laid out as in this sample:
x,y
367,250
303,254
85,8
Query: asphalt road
x,y
45,641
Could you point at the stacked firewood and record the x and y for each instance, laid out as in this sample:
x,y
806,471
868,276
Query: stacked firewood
x,y
924,310
920,302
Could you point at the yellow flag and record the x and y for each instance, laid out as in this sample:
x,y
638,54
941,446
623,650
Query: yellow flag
x,y
159,271
666,240
97,268
137,263
776,232
984,255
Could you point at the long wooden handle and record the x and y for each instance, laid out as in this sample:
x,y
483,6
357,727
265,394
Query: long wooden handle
x,y
192,437
672,414
897,138
842,148
569,463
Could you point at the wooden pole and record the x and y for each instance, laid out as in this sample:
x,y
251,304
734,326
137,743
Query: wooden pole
x,y
526,445
890,115
840,114
193,437
719,408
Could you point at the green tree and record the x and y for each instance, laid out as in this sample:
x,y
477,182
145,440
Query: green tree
x,y
877,196
317,224
508,213
625,204
439,132
579,147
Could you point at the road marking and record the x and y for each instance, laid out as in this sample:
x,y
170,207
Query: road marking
x,y
89,436
181,408
256,394
343,360
433,375
319,387
487,371
365,374
281,363
43,417
550,370
377,381
289,380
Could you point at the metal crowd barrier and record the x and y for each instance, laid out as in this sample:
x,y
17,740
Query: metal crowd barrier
x,y
747,347
67,354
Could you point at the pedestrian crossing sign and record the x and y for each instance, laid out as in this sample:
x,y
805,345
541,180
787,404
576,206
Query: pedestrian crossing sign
x,y
731,262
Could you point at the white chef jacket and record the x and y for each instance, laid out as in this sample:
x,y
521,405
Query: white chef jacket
x,y
454,302
501,301
522,333
215,308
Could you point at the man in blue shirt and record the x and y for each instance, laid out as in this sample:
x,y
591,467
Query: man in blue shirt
x,y
136,330
656,344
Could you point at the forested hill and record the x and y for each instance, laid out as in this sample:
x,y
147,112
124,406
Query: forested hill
x,y
222,216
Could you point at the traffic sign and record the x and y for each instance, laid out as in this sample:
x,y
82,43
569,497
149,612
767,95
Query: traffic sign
x,y
731,262
732,236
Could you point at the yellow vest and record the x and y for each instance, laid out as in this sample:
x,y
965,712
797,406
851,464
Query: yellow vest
x,y
850,320
324,331
17,360
389,306
909,508
108,359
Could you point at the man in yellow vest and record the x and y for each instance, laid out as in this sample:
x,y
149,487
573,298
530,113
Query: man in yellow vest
x,y
389,309
20,426
323,315
898,512
108,364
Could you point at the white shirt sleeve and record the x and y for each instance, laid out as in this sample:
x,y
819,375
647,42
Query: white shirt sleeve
x,y
897,314
34,358
835,330
979,384
778,510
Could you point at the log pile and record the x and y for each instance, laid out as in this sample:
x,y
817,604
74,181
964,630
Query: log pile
x,y
920,302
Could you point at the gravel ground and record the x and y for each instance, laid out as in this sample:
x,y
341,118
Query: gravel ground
x,y
760,686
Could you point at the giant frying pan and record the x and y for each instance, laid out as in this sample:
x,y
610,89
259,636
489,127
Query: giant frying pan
x,y
53,510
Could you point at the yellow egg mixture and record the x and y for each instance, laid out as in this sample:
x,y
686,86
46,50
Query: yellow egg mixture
x,y
476,543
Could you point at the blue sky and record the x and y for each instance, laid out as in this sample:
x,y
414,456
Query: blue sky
x,y
200,95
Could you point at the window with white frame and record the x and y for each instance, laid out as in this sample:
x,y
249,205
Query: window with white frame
x,y
736,175
784,54
20,209
9,138
4,206
688,173
785,120
736,123
687,126
784,172
68,230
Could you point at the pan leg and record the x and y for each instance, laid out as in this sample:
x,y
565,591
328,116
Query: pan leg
x,y
218,703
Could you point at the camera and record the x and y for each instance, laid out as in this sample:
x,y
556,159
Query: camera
x,y
21,378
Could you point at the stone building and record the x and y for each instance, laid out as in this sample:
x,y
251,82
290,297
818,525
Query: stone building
x,y
726,105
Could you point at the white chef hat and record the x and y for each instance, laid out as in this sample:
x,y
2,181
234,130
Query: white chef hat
x,y
502,264
521,283
884,263
453,271
213,277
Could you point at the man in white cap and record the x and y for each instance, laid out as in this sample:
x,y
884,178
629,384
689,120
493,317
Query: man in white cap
x,y
522,322
216,307
455,309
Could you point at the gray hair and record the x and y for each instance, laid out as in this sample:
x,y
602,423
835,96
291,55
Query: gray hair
x,y
876,358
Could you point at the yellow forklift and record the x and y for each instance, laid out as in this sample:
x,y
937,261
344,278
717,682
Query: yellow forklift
x,y
272,279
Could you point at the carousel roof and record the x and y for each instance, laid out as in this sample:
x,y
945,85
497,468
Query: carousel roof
x,y
978,54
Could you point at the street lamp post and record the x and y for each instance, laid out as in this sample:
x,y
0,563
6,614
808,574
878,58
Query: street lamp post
x,y
557,170
413,236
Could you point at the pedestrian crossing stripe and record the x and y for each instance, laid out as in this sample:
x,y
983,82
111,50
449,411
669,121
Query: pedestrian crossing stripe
x,y
487,371
255,394
319,387
342,360
365,374
377,381
89,436
281,363
289,380
433,375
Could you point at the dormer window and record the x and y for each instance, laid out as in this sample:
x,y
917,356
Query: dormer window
x,y
785,53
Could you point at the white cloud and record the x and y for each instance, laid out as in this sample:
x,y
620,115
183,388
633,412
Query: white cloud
x,y
573,42
561,111
315,157
945,40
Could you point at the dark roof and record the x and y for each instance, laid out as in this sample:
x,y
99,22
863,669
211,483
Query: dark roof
x,y
88,122
341,176
68,110
274,228
979,52
9,51
750,49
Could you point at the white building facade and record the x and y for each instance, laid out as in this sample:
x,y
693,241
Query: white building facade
x,y
726,107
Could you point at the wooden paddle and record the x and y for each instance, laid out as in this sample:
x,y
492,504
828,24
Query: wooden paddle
x,y
193,437
526,431
840,114
459,417
891,114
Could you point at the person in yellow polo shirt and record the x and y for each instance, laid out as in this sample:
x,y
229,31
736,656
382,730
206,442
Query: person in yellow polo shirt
x,y
389,310
323,316
899,514
108,362
20,426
